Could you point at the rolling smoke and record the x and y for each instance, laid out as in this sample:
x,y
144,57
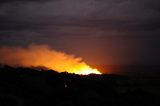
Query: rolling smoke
x,y
42,55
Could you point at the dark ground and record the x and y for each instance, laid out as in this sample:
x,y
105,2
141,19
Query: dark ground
x,y
29,87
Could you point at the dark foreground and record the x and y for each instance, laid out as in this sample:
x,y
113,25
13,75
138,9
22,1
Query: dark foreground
x,y
28,87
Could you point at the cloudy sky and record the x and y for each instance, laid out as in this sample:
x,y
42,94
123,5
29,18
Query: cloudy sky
x,y
99,31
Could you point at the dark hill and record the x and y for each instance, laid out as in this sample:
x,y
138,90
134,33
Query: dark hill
x,y
29,87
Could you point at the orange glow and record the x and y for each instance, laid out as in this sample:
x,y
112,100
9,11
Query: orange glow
x,y
84,70
41,55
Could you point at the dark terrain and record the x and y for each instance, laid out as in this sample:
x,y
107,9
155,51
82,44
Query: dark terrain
x,y
29,87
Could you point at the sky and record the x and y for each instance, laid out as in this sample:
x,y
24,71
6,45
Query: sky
x,y
99,31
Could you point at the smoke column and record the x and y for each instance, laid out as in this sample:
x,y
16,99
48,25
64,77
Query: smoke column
x,y
42,55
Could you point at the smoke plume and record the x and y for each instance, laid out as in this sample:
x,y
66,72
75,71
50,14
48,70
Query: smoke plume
x,y
42,55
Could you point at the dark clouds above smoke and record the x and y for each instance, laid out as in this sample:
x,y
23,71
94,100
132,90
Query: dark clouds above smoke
x,y
4,1
117,29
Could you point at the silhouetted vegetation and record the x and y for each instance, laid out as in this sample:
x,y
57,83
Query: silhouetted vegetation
x,y
31,87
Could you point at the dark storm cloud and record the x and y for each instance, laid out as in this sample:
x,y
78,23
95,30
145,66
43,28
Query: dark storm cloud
x,y
5,1
59,21
118,14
